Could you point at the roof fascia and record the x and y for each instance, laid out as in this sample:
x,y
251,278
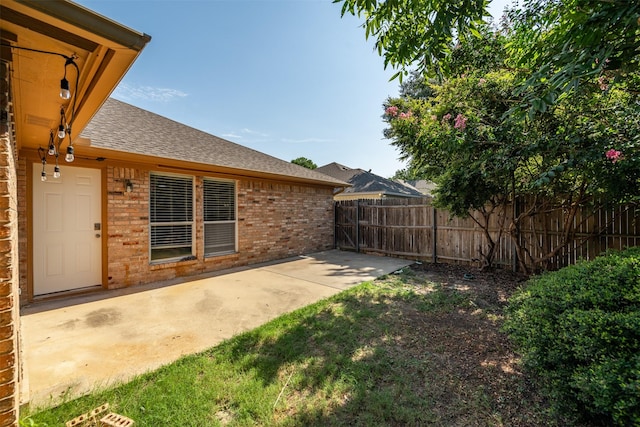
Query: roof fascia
x,y
88,20
164,164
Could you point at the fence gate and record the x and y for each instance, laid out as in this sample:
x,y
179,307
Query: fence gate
x,y
347,225
398,227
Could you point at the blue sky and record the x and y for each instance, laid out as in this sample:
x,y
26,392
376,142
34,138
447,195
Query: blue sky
x,y
289,78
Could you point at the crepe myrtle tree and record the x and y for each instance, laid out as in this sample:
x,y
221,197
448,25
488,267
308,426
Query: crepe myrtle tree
x,y
464,138
458,140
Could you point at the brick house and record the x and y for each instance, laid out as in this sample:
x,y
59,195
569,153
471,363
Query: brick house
x,y
144,199
152,199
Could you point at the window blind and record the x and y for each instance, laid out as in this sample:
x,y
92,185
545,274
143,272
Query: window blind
x,y
219,217
171,216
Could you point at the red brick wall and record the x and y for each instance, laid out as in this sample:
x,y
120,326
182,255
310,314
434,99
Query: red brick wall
x,y
274,221
9,273
127,227
22,227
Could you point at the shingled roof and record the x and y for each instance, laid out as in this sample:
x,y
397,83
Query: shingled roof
x,y
124,128
367,183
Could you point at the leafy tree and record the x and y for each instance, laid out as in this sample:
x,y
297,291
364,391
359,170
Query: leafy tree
x,y
573,64
458,140
406,174
304,162
557,45
410,32
463,138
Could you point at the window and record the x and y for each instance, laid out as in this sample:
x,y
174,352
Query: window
x,y
171,217
219,217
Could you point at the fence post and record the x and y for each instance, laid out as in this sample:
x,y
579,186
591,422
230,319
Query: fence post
x,y
514,262
335,224
434,250
358,225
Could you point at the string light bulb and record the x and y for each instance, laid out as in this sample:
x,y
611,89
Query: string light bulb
x,y
56,171
69,157
43,159
52,145
65,93
61,127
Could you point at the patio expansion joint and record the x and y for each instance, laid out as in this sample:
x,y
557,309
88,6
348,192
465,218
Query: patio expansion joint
x,y
302,279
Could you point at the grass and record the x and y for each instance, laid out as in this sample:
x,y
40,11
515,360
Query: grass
x,y
382,353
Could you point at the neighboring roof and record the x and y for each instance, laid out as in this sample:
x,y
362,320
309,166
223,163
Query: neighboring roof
x,y
123,128
422,185
366,182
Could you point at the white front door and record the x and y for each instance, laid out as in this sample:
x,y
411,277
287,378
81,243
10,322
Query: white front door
x,y
67,230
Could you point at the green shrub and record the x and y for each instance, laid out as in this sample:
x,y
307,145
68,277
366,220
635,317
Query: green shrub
x,y
578,330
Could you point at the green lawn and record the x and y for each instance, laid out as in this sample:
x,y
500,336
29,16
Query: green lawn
x,y
398,351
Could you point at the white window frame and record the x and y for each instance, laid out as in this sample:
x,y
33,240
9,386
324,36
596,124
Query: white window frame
x,y
189,221
231,219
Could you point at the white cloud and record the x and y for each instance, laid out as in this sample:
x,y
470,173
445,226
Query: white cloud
x,y
232,135
253,132
127,92
247,136
305,140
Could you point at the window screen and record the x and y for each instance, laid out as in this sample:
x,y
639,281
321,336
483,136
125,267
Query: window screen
x,y
171,217
219,217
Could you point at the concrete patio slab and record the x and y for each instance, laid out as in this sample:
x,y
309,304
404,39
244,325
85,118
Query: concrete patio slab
x,y
75,345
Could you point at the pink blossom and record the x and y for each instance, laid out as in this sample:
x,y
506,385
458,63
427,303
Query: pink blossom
x,y
434,117
406,115
614,155
603,82
460,122
392,111
482,81
446,118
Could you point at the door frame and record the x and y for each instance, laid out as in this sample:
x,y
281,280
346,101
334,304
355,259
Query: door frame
x,y
32,159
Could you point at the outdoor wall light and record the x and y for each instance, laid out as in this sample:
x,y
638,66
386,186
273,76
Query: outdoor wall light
x,y
128,185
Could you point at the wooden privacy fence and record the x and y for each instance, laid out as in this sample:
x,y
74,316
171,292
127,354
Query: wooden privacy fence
x,y
414,229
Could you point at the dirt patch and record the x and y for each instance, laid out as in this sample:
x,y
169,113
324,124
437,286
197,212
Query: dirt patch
x,y
475,377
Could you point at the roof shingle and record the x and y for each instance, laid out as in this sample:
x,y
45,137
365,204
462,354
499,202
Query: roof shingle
x,y
123,127
366,182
